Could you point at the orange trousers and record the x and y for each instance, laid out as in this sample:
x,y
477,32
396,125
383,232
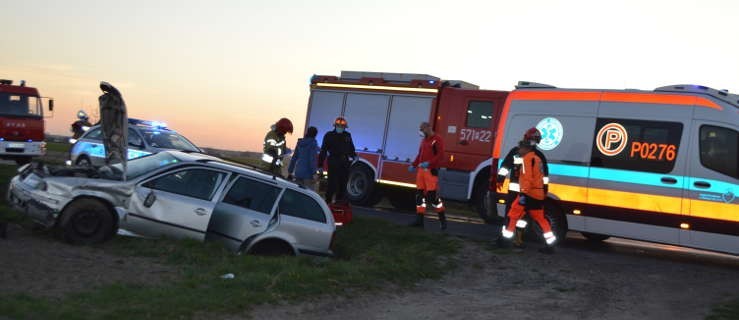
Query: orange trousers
x,y
517,211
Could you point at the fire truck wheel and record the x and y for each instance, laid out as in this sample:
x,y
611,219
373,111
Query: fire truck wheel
x,y
86,221
480,202
594,237
361,187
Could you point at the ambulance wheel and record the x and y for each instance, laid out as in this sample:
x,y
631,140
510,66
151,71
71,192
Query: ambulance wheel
x,y
361,188
594,237
556,219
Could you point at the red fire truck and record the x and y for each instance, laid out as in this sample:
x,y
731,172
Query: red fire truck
x,y
384,111
21,122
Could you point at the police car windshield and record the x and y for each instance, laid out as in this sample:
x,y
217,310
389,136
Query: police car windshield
x,y
19,105
168,140
139,166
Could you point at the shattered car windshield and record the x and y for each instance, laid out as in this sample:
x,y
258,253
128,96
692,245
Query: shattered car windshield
x,y
168,140
140,166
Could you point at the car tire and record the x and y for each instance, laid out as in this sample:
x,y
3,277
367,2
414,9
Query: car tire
x,y
86,221
361,188
594,237
83,161
272,248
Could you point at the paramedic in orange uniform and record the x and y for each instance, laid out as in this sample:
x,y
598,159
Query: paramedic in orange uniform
x,y
531,196
426,165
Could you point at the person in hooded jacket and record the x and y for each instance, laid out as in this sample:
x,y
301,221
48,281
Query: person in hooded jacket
x,y
304,163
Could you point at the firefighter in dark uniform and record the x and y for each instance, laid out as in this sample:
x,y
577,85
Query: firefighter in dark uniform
x,y
81,125
339,148
275,146
511,165
426,165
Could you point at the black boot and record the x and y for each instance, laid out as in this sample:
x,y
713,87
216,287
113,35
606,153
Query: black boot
x,y
418,222
442,221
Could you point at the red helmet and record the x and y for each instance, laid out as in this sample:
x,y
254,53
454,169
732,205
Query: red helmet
x,y
532,136
340,121
284,125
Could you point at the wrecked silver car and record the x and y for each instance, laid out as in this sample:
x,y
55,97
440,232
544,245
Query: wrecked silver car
x,y
179,195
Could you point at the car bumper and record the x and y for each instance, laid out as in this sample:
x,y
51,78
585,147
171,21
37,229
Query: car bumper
x,y
43,210
22,148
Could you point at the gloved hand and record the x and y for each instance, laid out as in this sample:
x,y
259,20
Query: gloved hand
x,y
411,169
424,164
522,199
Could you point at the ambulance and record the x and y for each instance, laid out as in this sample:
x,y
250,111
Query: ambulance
x,y
658,166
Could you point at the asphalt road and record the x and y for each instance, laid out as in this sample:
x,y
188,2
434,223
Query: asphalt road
x,y
475,229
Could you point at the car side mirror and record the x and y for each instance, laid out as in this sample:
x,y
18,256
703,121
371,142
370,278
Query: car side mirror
x,y
150,198
51,105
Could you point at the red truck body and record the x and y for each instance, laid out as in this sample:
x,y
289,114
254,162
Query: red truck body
x,y
384,111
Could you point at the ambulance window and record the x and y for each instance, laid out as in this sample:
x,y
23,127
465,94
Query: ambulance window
x,y
637,145
479,114
718,149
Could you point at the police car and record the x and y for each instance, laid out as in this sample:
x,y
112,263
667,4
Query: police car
x,y
144,137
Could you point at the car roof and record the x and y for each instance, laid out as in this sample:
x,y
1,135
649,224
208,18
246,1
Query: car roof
x,y
228,165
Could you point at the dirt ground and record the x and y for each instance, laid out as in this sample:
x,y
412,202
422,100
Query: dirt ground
x,y
41,266
575,283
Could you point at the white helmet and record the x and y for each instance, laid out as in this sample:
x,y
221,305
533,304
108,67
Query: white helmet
x,y
82,115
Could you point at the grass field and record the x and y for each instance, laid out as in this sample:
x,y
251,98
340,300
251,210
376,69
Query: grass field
x,y
58,147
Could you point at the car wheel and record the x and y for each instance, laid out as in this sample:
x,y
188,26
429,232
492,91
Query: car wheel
x,y
361,188
86,221
272,248
83,161
594,237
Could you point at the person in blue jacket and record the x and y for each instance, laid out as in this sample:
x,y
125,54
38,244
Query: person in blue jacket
x,y
304,162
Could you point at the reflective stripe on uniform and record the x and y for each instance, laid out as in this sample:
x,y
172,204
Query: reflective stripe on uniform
x,y
549,237
514,186
546,180
267,158
521,224
517,160
503,171
507,234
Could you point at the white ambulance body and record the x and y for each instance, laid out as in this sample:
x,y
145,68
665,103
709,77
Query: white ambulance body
x,y
657,166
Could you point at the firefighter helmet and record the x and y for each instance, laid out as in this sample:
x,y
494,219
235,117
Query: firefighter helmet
x,y
284,125
82,115
341,121
533,136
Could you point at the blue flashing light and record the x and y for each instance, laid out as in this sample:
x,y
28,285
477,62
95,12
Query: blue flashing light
x,y
2,139
29,140
158,124
432,81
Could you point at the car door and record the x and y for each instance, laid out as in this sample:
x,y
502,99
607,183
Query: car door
x,y
177,204
245,210
306,221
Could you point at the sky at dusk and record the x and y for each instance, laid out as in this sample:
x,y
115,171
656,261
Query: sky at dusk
x,y
220,72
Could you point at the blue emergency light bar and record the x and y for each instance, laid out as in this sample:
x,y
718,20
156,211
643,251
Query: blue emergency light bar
x,y
147,123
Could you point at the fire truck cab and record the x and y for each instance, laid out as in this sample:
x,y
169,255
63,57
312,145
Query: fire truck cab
x,y
21,122
384,111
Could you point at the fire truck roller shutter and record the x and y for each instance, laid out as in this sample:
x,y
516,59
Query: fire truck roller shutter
x,y
325,106
406,113
366,114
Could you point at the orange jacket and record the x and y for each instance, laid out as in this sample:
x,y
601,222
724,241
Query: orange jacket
x,y
531,177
